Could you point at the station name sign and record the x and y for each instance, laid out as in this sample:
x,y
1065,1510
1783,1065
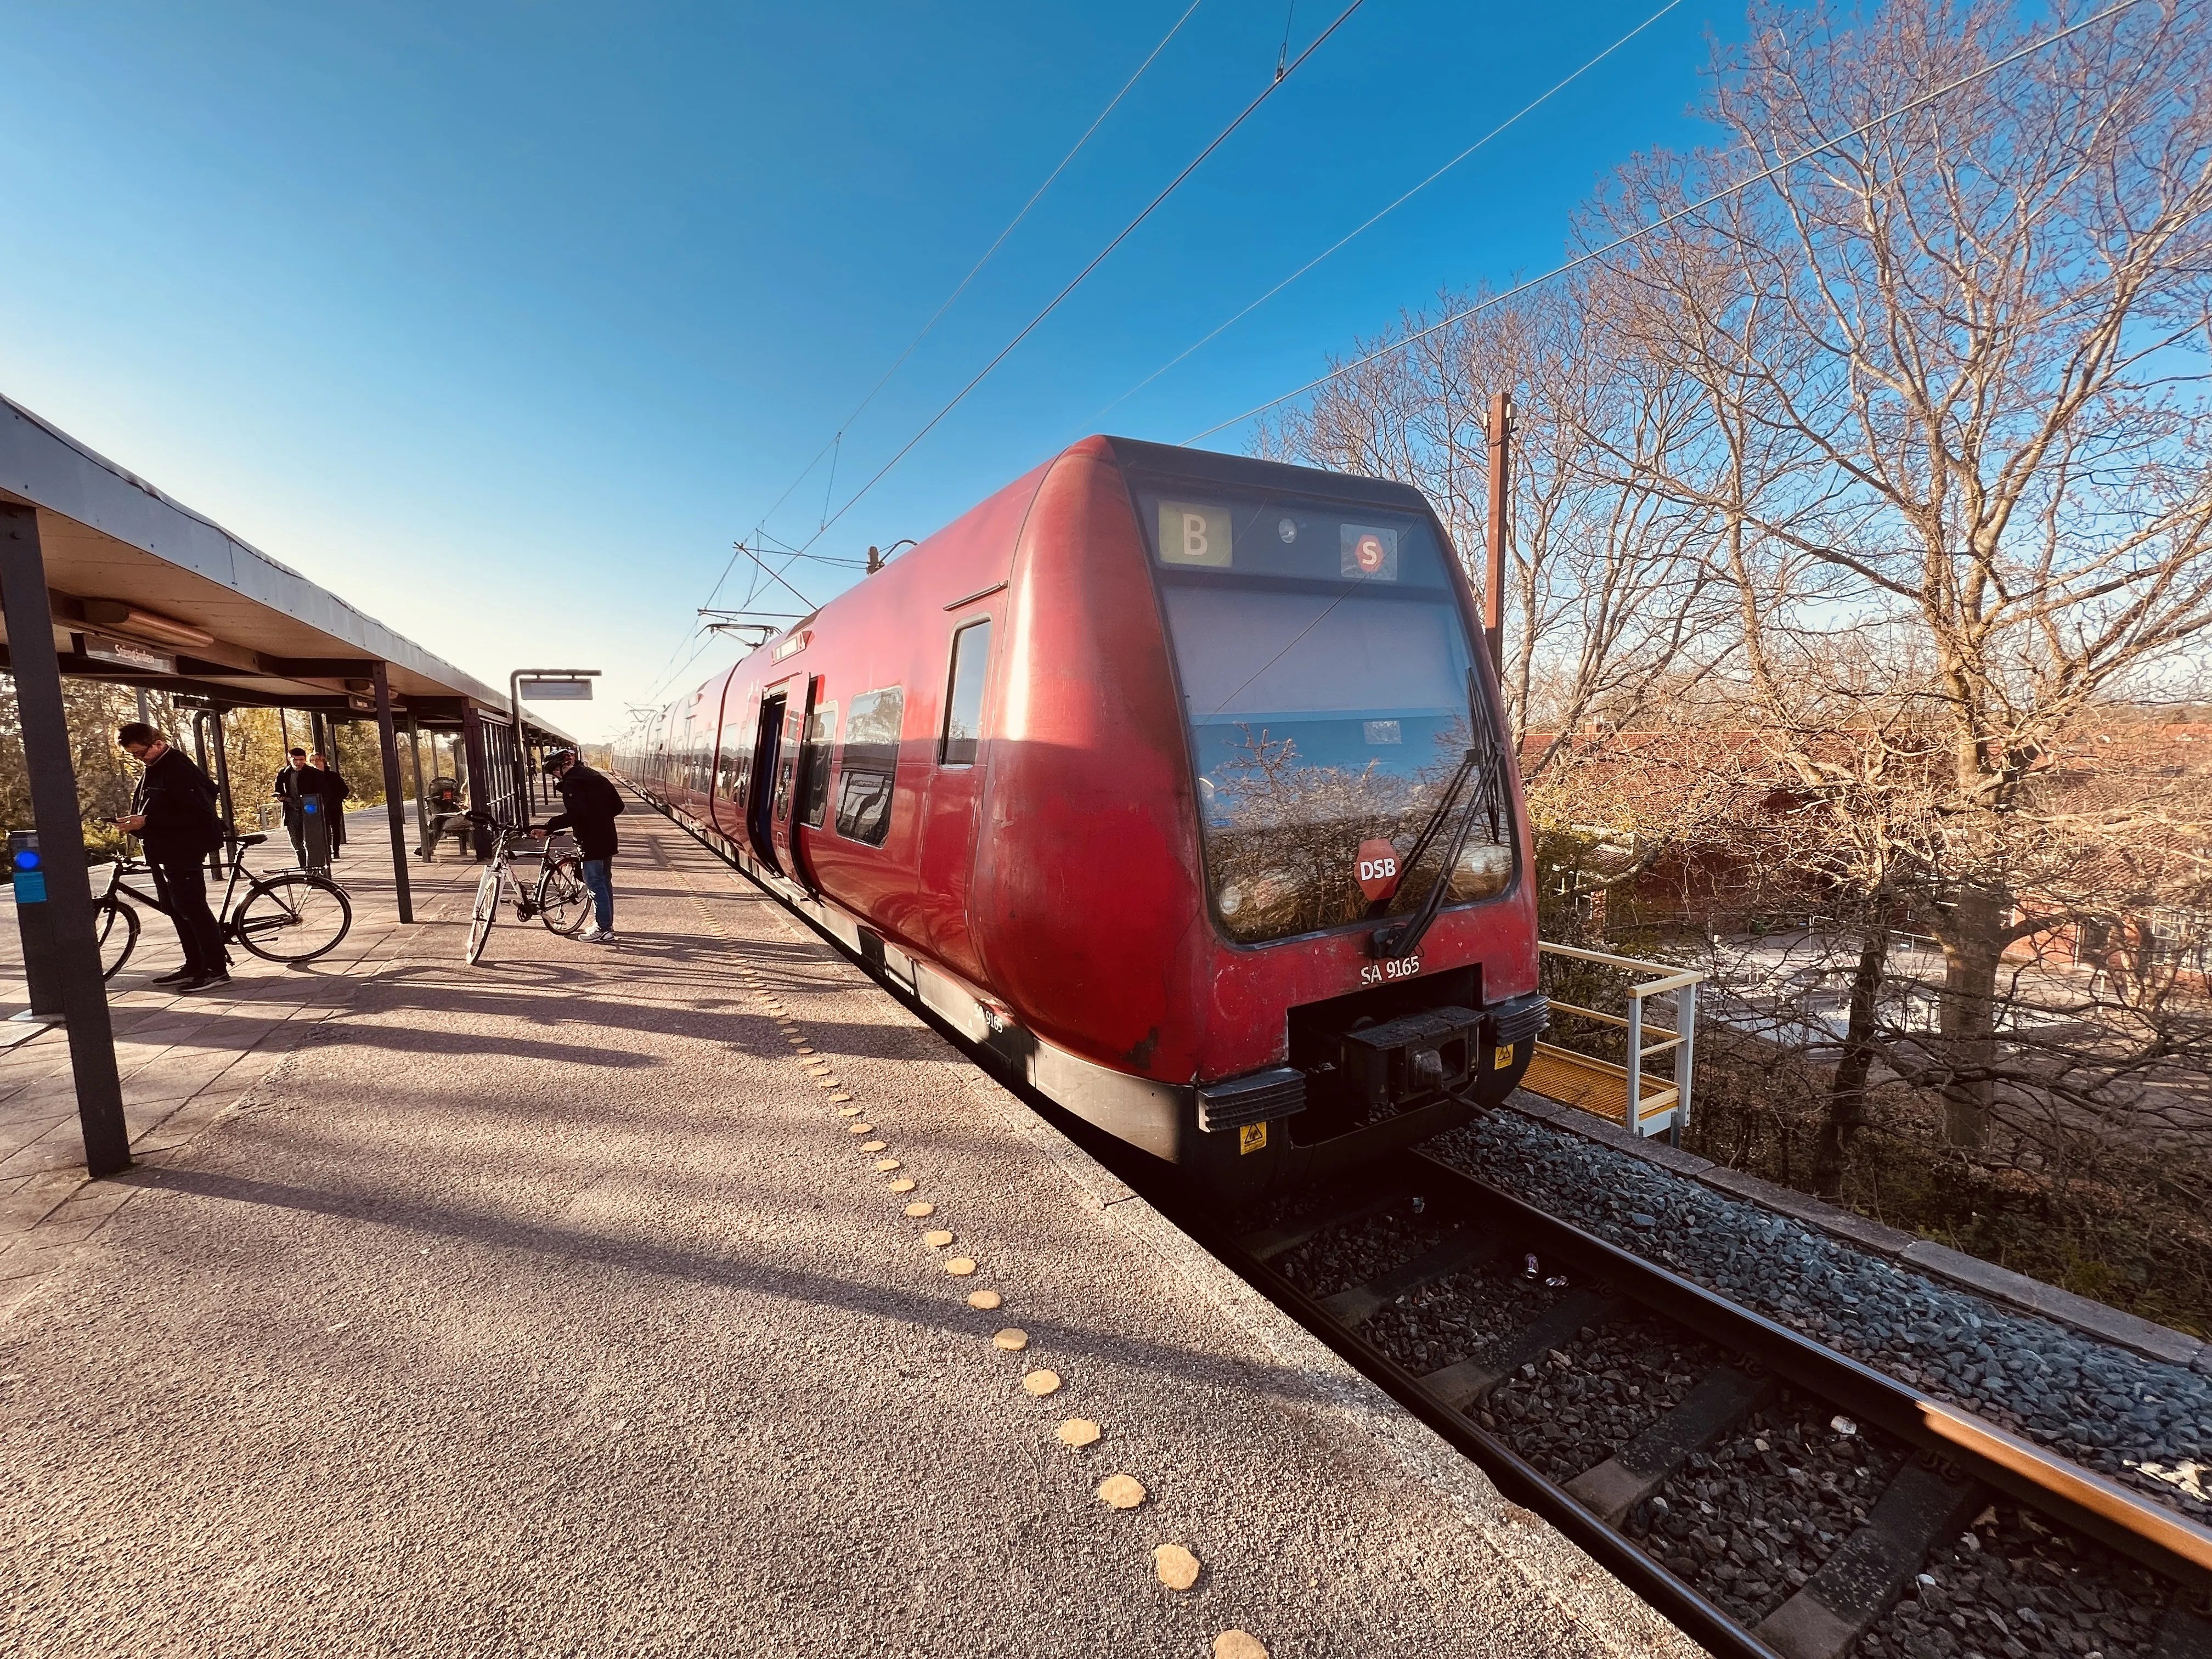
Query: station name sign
x,y
125,654
557,690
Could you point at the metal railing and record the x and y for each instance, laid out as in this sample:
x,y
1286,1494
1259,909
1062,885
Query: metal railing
x,y
1648,1107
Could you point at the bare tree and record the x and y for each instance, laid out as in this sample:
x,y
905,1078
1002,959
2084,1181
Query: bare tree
x,y
1973,337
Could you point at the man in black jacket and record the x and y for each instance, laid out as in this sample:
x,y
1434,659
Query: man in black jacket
x,y
295,785
593,805
177,824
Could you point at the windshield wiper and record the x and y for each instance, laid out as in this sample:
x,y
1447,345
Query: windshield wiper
x,y
1471,780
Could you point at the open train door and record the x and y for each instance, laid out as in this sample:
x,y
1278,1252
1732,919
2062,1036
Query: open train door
x,y
798,755
768,798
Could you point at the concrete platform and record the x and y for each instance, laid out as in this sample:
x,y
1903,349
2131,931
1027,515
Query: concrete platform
x,y
553,1308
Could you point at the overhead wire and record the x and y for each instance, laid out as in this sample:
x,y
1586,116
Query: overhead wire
x,y
1369,223
1076,281
997,242
1642,231
937,316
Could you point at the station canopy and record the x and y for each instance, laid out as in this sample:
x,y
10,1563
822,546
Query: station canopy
x,y
145,591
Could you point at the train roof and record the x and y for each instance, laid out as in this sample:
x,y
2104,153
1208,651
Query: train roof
x,y
1200,466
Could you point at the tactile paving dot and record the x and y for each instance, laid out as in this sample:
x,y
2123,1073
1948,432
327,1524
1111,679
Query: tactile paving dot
x,y
1121,1492
936,1240
837,1097
859,1128
825,1081
846,1111
920,1209
887,1165
1238,1644
1079,1431
1012,1339
874,1145
902,1185
983,1300
1042,1383
961,1266
1177,1566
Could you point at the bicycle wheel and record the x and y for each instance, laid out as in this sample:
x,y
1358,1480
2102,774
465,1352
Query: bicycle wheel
x,y
292,918
487,912
563,900
115,929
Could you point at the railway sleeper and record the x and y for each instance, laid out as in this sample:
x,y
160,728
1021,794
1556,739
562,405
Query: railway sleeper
x,y
1868,1571
1362,1200
1721,1400
1466,1247
1471,1380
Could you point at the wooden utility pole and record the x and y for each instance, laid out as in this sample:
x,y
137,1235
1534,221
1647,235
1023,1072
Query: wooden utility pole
x,y
1493,572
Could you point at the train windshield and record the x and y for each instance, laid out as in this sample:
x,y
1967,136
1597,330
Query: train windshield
x,y
1325,673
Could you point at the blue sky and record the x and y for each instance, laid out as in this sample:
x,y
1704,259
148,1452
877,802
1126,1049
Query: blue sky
x,y
503,320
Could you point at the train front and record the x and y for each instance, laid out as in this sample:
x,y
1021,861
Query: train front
x,y
1373,972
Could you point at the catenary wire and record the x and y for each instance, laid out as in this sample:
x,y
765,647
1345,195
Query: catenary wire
x,y
1370,224
1641,231
997,242
1054,304
937,316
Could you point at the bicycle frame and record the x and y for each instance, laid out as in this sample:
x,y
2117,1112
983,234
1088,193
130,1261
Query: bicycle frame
x,y
118,887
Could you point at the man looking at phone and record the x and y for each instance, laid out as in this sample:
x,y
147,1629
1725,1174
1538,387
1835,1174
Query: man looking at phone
x,y
177,824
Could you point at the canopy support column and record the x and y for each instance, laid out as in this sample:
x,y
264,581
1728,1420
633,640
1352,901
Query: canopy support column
x,y
395,805
481,793
59,817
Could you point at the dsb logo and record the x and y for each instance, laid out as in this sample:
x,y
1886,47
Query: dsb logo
x,y
1377,870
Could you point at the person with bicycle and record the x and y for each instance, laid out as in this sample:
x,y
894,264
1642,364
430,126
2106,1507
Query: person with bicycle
x,y
593,805
177,824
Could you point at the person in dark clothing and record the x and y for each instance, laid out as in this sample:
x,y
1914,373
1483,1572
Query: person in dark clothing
x,y
177,824
298,783
336,792
593,805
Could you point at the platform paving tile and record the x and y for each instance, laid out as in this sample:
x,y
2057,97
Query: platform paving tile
x,y
549,1308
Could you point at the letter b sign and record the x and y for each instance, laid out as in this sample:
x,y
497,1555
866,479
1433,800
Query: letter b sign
x,y
1191,532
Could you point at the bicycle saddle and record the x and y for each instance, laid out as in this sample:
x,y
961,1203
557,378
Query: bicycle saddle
x,y
247,841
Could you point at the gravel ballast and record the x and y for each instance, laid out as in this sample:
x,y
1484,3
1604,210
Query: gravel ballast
x,y
2142,1422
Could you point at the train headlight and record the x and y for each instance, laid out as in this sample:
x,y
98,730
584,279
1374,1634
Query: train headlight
x,y
1482,871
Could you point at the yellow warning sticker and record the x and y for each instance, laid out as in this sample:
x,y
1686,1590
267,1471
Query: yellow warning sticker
x,y
1503,1057
1251,1138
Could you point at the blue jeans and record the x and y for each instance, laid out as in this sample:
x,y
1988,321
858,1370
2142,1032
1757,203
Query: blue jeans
x,y
599,876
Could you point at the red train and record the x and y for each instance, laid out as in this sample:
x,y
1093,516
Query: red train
x,y
1173,778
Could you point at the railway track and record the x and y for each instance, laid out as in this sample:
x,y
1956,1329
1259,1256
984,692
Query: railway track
x,y
1484,1316
1621,1401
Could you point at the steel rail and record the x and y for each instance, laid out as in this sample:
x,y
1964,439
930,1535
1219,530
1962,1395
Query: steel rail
x,y
2078,1499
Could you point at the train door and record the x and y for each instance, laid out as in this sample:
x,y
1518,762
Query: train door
x,y
790,779
768,753
956,795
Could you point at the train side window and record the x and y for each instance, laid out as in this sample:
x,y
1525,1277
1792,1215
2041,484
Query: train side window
x,y
964,697
867,770
814,788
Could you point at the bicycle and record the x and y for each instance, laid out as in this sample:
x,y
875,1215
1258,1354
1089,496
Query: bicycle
x,y
292,916
560,900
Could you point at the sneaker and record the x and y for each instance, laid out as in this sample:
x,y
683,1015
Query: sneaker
x,y
204,982
179,977
597,936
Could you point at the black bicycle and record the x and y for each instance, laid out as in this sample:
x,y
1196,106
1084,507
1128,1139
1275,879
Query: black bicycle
x,y
291,916
559,899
